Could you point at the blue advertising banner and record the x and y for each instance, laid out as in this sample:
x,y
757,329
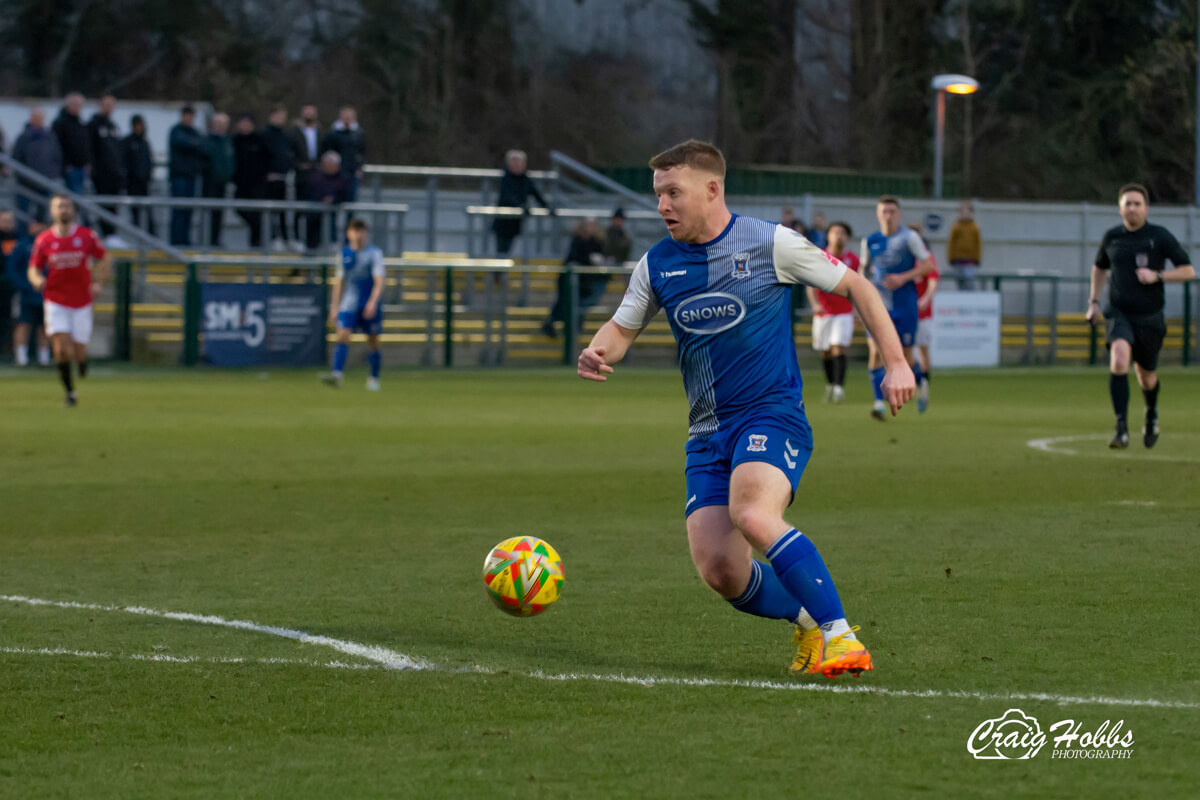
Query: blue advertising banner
x,y
248,324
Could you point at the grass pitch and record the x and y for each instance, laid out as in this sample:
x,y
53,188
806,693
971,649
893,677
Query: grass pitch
x,y
983,572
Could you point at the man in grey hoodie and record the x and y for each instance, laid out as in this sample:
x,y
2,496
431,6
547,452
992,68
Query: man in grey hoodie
x,y
37,148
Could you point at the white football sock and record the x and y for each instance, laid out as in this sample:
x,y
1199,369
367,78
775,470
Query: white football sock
x,y
806,621
838,627
22,357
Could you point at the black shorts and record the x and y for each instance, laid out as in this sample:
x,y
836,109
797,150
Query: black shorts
x,y
1144,334
32,315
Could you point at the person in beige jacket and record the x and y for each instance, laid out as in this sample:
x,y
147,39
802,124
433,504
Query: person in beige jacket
x,y
965,249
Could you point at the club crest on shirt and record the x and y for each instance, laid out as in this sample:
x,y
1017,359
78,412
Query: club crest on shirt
x,y
741,263
77,242
1142,260
758,443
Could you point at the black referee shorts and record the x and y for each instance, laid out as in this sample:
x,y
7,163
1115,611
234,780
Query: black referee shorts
x,y
1144,334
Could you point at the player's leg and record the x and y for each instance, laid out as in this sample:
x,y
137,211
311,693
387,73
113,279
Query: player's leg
x,y
924,340
341,351
758,494
81,334
837,358
1144,352
58,325
374,359
1120,353
43,342
876,373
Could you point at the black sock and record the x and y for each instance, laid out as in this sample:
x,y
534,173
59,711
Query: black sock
x,y
64,374
83,368
1151,396
928,375
827,363
839,370
1118,387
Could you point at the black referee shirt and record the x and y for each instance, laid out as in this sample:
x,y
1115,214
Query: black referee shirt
x,y
1123,252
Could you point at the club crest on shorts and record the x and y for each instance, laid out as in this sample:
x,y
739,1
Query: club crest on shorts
x,y
758,443
741,268
1143,260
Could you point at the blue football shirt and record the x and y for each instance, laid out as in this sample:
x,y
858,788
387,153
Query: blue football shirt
x,y
889,255
729,303
357,272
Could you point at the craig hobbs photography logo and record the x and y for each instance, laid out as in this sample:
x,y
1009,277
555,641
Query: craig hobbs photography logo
x,y
1016,735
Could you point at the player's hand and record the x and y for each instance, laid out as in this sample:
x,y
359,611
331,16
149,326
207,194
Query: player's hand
x,y
1093,313
96,288
899,385
38,283
332,318
1147,275
893,282
592,366
369,311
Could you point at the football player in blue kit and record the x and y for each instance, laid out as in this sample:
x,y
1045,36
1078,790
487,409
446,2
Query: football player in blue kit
x,y
896,257
725,283
357,287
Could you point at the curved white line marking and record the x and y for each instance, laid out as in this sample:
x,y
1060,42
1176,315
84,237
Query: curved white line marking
x,y
1054,444
390,659
170,659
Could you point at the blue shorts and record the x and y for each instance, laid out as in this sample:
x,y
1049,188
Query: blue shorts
x,y
354,321
906,327
32,315
777,434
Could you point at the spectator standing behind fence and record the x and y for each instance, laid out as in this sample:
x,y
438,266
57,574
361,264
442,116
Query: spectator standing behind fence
x,y
8,240
617,243
251,163
328,186
586,250
218,172
108,166
965,249
38,149
816,232
279,164
185,159
515,189
138,162
305,137
31,317
345,139
73,139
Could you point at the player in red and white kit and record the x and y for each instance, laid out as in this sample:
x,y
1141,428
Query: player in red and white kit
x,y
60,268
926,286
833,318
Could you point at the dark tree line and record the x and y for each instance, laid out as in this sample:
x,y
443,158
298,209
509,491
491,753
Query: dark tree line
x,y
1076,97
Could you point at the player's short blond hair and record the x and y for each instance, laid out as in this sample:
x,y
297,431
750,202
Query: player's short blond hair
x,y
692,153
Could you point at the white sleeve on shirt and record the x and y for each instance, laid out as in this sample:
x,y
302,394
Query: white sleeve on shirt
x,y
640,305
378,270
916,246
797,260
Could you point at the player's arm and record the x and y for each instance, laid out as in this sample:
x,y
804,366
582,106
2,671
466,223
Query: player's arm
x,y
924,301
100,273
1100,269
924,263
1183,270
36,279
615,337
335,296
899,384
379,275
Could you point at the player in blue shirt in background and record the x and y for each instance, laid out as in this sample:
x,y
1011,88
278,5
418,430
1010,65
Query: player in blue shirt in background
x,y
357,287
896,258
725,283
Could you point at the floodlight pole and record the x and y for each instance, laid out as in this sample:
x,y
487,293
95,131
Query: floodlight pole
x,y
939,143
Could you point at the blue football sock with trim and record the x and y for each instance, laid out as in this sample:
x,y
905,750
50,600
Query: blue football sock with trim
x,y
375,359
766,597
339,357
877,382
803,573
918,373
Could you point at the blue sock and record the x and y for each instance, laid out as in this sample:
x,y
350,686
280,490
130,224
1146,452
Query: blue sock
x,y
803,573
877,382
766,597
918,373
375,359
339,357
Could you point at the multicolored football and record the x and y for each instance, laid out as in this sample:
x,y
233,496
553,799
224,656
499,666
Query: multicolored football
x,y
523,575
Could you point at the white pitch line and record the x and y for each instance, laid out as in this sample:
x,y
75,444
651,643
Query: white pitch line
x,y
392,660
170,659
1054,444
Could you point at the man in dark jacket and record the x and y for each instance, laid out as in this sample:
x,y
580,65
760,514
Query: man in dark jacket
x,y
218,171
515,189
38,149
305,137
251,165
73,139
31,318
279,159
328,186
108,167
185,161
347,141
139,169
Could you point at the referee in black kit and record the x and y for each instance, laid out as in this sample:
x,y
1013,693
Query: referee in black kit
x,y
1134,255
